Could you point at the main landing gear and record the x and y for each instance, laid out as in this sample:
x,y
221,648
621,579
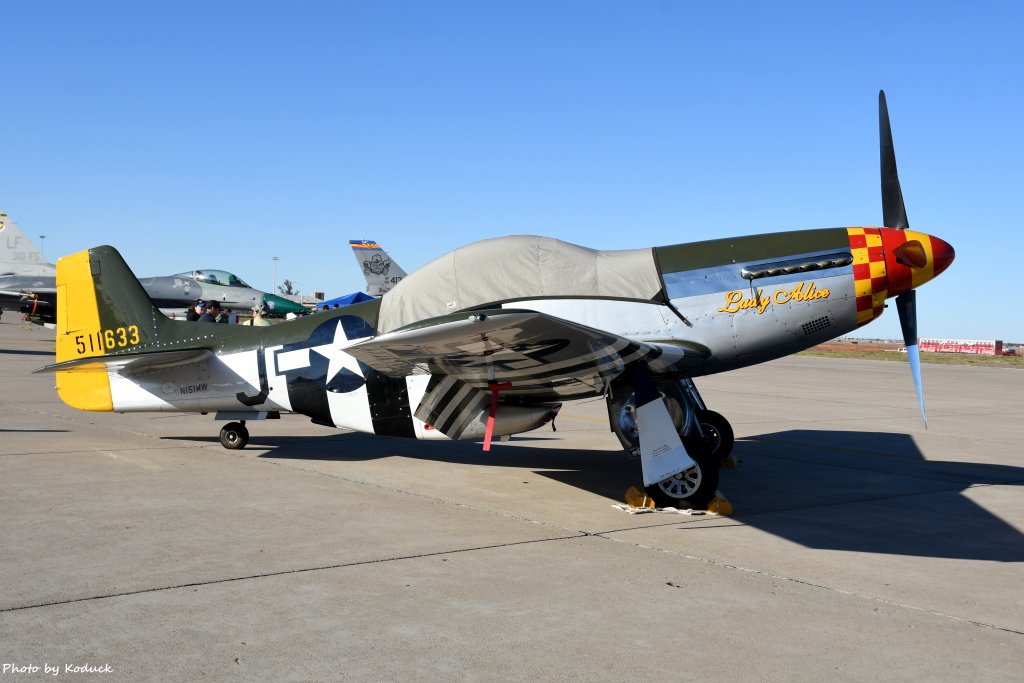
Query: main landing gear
x,y
706,435
713,432
234,435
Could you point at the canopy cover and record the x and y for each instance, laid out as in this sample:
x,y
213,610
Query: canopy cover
x,y
517,268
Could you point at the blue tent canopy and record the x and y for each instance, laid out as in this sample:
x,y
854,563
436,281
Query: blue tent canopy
x,y
344,300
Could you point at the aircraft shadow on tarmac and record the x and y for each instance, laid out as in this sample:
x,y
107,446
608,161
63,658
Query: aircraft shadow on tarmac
x,y
855,491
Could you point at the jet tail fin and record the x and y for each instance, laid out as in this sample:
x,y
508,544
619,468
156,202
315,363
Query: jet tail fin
x,y
379,269
18,255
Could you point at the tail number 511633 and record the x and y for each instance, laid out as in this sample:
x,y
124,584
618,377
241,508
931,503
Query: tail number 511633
x,y
107,340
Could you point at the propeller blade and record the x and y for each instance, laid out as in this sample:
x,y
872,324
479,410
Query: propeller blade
x,y
894,213
906,306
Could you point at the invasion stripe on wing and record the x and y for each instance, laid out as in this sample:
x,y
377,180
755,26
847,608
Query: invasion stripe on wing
x,y
596,363
450,403
619,352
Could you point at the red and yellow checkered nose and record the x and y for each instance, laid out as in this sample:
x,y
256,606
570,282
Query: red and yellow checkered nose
x,y
912,258
888,262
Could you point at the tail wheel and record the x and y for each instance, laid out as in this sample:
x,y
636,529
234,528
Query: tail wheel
x,y
691,488
234,436
718,436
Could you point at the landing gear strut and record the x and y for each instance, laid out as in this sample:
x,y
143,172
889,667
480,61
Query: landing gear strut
x,y
713,433
234,435
706,435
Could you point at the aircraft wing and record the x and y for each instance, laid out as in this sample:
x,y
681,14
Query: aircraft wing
x,y
497,345
536,353
129,362
531,356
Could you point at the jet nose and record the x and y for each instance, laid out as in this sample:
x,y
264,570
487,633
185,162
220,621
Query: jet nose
x,y
912,258
279,306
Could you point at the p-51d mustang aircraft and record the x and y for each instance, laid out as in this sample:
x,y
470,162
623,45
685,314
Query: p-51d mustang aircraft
x,y
491,338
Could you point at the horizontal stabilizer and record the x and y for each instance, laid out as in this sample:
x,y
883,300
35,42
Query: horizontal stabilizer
x,y
127,363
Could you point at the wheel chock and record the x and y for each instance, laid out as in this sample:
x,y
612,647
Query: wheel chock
x,y
729,462
638,498
720,505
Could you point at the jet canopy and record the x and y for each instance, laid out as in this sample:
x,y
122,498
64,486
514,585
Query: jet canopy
x,y
216,277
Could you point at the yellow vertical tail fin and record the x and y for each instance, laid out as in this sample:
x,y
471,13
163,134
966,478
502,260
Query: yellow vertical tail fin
x,y
102,310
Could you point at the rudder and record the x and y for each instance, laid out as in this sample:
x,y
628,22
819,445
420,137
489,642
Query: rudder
x,y
102,310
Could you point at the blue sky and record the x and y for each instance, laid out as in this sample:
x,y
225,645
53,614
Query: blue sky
x,y
221,134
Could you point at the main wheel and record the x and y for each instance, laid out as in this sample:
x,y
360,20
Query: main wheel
x,y
719,438
691,488
234,435
625,427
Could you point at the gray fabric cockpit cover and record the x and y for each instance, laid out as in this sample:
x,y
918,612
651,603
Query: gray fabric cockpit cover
x,y
513,269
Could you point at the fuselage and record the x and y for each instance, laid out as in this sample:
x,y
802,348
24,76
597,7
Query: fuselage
x,y
722,304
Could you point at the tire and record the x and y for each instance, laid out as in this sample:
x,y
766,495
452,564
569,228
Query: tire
x,y
625,427
691,488
720,437
234,436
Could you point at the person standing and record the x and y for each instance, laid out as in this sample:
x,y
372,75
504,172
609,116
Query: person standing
x,y
196,311
257,318
214,313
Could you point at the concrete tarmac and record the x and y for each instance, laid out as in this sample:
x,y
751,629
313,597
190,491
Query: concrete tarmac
x,y
862,546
